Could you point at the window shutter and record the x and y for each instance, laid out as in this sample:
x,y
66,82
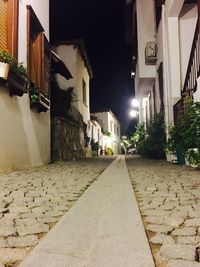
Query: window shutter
x,y
3,24
46,69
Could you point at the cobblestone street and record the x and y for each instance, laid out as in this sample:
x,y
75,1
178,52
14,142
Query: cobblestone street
x,y
32,201
169,200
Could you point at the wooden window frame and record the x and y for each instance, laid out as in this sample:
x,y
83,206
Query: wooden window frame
x,y
12,27
41,45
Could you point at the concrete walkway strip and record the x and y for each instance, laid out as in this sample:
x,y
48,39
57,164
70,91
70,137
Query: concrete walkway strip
x,y
103,229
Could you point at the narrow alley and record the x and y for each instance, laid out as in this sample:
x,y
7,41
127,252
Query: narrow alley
x,y
104,227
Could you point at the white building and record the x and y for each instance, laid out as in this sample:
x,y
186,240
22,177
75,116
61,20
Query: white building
x,y
25,130
168,56
96,133
73,54
111,130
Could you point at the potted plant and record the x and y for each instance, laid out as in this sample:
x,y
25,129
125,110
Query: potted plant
x,y
176,141
192,134
185,134
33,93
13,74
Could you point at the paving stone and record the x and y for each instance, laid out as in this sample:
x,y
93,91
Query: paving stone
x,y
159,228
173,251
192,222
25,221
54,213
155,213
24,241
150,206
184,208
183,263
174,221
39,210
6,230
19,210
7,221
13,254
154,219
32,229
193,240
194,214
3,243
185,231
162,239
48,220
180,213
167,206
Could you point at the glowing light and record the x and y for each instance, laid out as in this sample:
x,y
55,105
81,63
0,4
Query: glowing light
x,y
132,74
135,103
133,113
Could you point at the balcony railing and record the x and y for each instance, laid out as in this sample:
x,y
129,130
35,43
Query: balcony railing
x,y
193,70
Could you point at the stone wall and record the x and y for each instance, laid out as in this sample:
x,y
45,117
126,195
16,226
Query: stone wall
x,y
67,140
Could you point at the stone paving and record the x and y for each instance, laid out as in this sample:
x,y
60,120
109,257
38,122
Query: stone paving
x,y
169,200
32,201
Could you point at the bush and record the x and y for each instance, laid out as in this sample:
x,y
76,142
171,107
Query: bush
x,y
151,143
95,145
109,151
186,132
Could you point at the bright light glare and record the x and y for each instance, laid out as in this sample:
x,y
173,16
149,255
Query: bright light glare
x,y
133,113
135,103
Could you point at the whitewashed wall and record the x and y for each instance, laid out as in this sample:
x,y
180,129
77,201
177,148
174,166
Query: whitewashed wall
x,y
24,133
70,55
146,33
82,74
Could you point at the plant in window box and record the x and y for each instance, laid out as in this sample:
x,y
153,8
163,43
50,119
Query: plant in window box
x,y
34,93
36,98
13,74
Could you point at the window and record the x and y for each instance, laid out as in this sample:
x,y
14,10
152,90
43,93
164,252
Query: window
x,y
9,26
38,66
84,92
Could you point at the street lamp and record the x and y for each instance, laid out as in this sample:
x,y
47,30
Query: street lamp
x,y
133,113
135,103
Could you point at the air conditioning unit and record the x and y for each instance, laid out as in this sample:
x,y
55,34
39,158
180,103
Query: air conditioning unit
x,y
150,53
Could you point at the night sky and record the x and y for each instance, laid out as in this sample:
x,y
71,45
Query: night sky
x,y
101,25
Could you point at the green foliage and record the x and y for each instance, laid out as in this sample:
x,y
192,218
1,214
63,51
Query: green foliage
x,y
109,151
34,93
139,135
106,132
193,157
95,145
151,143
126,143
186,131
14,65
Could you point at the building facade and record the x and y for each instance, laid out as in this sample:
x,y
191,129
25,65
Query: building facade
x,y
25,124
111,131
168,62
76,119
